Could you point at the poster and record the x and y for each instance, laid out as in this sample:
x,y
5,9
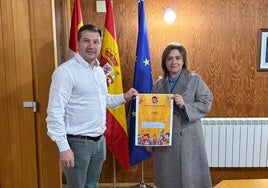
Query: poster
x,y
154,115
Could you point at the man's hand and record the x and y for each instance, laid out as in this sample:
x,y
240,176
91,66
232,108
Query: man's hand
x,y
67,158
130,94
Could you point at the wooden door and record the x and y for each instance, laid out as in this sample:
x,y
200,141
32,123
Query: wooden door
x,y
18,140
28,158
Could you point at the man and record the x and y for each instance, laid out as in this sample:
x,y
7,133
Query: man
x,y
77,111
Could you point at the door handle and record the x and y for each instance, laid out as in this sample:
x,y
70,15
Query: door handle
x,y
30,104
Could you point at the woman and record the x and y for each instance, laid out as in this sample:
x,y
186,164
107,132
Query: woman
x,y
184,164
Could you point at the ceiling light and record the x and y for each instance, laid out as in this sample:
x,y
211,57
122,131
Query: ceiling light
x,y
169,15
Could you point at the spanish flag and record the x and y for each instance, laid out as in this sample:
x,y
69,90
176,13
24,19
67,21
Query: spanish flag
x,y
116,132
77,22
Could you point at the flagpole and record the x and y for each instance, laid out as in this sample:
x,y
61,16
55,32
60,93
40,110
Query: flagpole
x,y
66,30
142,184
114,169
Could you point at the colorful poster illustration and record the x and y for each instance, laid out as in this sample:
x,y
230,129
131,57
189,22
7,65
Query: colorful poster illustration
x,y
154,120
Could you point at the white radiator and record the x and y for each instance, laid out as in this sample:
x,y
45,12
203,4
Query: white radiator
x,y
236,142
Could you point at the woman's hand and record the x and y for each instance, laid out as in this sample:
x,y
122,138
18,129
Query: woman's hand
x,y
178,100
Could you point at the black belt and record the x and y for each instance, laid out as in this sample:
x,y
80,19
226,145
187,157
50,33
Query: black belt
x,y
84,137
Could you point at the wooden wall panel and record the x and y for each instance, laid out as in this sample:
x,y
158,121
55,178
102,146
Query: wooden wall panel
x,y
43,43
222,41
6,170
